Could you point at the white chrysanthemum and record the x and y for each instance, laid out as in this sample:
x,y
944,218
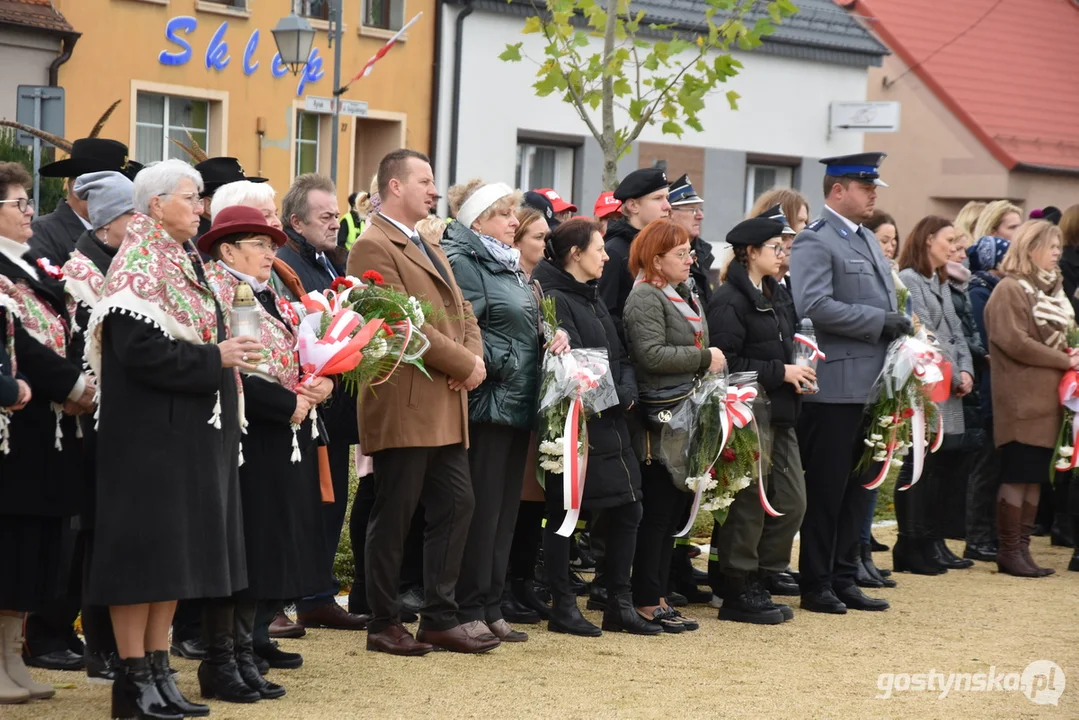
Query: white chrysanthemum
x,y
875,437
551,448
552,465
691,483
416,312
1066,451
881,446
376,349
710,483
1063,464
869,443
741,483
885,421
880,457
896,462
723,503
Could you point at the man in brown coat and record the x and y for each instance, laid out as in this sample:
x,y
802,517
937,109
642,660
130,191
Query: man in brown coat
x,y
415,429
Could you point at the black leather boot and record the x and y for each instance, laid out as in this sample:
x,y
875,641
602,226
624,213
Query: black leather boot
x,y
135,694
949,559
862,576
622,616
873,570
516,612
1073,565
525,591
757,586
1060,534
566,618
744,604
907,557
597,593
219,676
166,685
245,654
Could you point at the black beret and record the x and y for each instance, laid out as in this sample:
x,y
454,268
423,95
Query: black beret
x,y
755,231
640,183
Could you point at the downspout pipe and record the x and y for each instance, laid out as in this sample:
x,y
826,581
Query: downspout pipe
x,y
66,48
455,118
436,85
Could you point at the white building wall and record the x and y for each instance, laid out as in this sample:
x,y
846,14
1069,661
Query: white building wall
x,y
783,109
25,56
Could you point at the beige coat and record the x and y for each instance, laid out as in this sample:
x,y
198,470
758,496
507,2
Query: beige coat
x,y
410,410
1026,372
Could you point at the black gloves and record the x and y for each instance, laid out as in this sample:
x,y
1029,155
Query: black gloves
x,y
896,325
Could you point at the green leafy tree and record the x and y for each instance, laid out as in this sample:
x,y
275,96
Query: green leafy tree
x,y
652,73
52,189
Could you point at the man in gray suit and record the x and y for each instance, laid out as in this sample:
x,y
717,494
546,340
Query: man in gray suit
x,y
842,282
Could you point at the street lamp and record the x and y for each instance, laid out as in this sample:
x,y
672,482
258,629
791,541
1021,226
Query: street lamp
x,y
294,37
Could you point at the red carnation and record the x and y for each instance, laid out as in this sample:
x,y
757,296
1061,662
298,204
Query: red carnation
x,y
339,283
756,456
908,413
373,276
729,455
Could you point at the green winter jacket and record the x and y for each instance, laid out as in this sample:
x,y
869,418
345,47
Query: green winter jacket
x,y
508,314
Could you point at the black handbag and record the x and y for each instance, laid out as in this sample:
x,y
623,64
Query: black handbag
x,y
660,406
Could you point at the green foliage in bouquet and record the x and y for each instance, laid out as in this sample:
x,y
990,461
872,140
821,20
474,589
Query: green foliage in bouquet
x,y
552,417
737,467
891,418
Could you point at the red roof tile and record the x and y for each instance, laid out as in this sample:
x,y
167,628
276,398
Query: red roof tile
x,y
1010,75
33,13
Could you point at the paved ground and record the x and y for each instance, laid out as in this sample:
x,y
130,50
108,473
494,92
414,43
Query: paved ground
x,y
816,666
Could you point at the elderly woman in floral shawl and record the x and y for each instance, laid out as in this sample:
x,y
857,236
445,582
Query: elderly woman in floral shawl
x,y
279,483
169,521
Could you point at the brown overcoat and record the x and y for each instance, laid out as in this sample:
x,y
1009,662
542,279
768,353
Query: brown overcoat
x,y
1026,371
410,410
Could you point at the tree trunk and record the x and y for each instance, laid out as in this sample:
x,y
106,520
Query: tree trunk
x,y
607,142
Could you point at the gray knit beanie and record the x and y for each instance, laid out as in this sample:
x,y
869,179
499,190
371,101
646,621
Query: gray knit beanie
x,y
108,195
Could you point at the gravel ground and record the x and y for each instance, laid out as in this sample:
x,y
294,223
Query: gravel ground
x,y
816,666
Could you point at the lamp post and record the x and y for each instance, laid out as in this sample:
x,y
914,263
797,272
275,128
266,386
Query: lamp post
x,y
294,37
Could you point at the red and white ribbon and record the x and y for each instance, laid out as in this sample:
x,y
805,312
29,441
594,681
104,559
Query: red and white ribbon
x,y
1069,399
809,343
574,465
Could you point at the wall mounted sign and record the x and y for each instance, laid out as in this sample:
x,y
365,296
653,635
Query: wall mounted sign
x,y
217,57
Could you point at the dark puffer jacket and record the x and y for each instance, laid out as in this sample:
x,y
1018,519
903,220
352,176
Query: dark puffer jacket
x,y
614,475
616,282
508,315
757,335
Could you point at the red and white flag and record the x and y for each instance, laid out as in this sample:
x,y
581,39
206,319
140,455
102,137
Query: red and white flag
x,y
383,50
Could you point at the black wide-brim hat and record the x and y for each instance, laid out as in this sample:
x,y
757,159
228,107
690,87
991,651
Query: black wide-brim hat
x,y
238,220
218,171
89,155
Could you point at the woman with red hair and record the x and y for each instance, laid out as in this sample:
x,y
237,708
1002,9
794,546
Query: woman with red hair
x,y
667,341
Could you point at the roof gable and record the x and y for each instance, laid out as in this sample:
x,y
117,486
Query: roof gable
x,y
1005,69
38,14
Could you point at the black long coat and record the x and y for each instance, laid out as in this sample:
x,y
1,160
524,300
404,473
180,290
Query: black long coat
x,y
169,517
55,234
614,475
36,478
282,504
757,335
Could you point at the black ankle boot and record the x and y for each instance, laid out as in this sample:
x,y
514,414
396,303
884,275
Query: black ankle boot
x,y
949,559
622,616
219,676
525,591
515,611
245,654
135,694
566,618
907,557
873,570
166,685
1061,534
862,576
597,593
744,603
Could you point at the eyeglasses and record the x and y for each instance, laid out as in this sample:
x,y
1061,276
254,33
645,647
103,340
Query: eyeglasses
x,y
683,254
23,204
191,199
266,246
695,211
778,248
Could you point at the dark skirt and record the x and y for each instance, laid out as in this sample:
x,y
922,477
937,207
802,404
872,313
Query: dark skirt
x,y
32,556
1024,464
282,511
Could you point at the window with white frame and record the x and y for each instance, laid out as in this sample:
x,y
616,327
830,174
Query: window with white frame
x,y
317,9
385,14
545,166
160,117
307,137
762,178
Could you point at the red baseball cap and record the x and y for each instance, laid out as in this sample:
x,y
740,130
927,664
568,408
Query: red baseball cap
x,y
606,205
557,203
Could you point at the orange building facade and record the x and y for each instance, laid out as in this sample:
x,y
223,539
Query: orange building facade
x,y
209,68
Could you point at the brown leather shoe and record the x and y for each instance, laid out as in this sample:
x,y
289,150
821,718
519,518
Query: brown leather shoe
x,y
1010,558
397,640
502,630
472,637
282,627
333,616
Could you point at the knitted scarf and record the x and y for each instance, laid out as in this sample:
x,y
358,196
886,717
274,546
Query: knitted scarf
x,y
508,257
152,279
1053,314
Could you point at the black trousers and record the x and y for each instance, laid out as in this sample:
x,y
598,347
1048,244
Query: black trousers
x,y
830,441
411,566
662,506
621,540
917,509
982,489
404,477
527,537
496,458
51,629
334,516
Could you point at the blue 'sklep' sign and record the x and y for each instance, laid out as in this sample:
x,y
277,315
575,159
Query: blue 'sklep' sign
x,y
217,52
